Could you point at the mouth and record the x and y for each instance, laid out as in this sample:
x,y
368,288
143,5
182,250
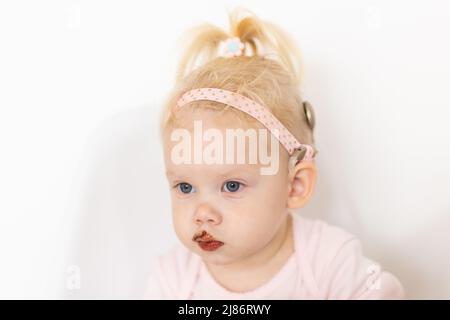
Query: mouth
x,y
207,242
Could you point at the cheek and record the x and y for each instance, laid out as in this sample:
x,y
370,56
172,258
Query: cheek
x,y
181,223
272,197
263,214
252,224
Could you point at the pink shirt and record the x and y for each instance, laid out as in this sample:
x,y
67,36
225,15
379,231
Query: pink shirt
x,y
327,264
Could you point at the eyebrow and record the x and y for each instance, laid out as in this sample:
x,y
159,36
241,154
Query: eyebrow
x,y
221,175
170,173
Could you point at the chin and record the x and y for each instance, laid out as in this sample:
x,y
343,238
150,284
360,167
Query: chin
x,y
218,261
216,258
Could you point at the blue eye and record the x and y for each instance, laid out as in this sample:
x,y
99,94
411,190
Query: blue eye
x,y
184,187
232,186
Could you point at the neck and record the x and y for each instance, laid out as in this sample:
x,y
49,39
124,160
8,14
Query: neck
x,y
253,271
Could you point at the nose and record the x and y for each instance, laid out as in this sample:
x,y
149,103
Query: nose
x,y
205,213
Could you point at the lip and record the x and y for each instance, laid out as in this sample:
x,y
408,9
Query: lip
x,y
206,241
210,245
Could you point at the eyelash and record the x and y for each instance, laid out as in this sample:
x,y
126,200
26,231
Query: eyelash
x,y
240,184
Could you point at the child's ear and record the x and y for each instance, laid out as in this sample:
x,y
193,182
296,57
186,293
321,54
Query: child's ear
x,y
302,179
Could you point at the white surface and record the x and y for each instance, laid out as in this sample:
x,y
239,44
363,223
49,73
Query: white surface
x,y
81,171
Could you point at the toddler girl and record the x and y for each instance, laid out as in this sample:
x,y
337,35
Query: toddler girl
x,y
239,155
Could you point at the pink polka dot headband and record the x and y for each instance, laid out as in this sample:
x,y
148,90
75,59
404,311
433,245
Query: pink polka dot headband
x,y
257,111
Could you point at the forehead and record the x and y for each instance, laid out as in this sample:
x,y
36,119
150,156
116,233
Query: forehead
x,y
223,121
236,135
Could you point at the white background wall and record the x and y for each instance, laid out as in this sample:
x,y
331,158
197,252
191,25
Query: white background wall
x,y
81,177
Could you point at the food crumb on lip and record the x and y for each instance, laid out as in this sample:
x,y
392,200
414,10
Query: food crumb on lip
x,y
204,237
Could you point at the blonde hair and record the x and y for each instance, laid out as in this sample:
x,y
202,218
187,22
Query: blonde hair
x,y
268,72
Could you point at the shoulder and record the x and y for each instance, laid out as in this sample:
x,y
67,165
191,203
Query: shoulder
x,y
334,259
173,274
320,240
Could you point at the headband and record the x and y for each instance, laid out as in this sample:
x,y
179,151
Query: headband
x,y
302,152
